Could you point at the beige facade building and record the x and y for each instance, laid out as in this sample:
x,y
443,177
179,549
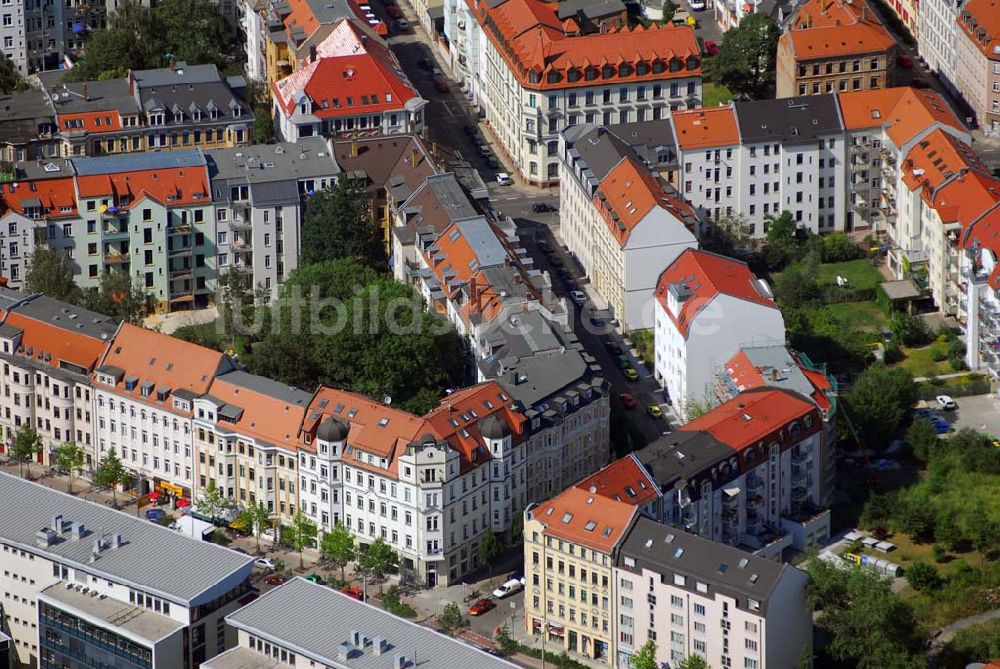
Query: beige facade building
x,y
978,61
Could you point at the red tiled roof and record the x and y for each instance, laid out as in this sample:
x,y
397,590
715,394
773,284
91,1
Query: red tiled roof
x,y
62,344
93,122
707,275
748,376
830,28
706,127
577,515
916,111
533,41
55,195
350,77
752,416
172,186
624,480
986,34
264,417
936,158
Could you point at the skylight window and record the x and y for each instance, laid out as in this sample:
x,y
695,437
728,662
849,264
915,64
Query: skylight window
x,y
679,552
567,517
590,526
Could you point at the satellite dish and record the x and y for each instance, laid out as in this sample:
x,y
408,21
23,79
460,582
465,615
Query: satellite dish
x,y
387,400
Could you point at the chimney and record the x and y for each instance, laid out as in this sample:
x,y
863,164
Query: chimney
x,y
86,93
56,525
170,64
399,662
344,651
354,145
78,530
357,638
116,540
312,53
379,645
414,156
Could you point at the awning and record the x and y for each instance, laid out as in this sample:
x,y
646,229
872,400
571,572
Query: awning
x,y
153,496
176,489
732,492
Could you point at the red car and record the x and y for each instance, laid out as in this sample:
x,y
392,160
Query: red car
x,y
904,61
441,84
354,592
275,579
917,82
627,400
481,606
710,48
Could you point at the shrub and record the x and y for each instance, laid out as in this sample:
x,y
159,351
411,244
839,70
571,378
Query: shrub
x,y
396,606
923,577
939,353
939,552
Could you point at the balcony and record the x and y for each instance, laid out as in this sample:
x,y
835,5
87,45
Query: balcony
x,y
113,214
801,456
179,251
116,258
181,229
111,233
240,223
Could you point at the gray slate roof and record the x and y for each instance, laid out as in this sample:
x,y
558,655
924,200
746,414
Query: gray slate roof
x,y
681,456
789,120
312,620
137,162
100,95
154,558
482,239
725,569
68,317
308,158
779,369
268,387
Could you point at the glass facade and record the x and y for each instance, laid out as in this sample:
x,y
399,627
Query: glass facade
x,y
68,642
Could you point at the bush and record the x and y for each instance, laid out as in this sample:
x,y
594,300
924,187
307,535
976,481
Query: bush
x,y
396,606
939,353
939,552
838,247
923,577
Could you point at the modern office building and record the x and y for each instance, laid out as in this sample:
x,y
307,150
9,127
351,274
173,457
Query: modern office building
x,y
87,586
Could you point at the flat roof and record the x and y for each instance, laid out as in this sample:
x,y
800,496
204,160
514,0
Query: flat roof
x,y
313,620
242,657
151,557
138,623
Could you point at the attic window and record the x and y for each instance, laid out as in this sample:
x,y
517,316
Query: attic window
x,y
753,578
567,517
590,526
383,422
723,568
743,563
679,552
630,491
352,413
649,543
607,532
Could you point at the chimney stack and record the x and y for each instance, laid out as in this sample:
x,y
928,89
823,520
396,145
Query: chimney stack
x,y
312,53
86,93
354,145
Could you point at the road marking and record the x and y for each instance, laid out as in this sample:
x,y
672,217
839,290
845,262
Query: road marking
x,y
448,109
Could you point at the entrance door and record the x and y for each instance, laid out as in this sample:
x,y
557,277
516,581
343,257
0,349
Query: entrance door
x,y
431,577
572,641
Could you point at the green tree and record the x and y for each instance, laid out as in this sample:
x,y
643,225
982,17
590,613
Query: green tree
x,y
120,297
690,662
27,444
922,438
303,533
796,287
506,644
490,549
839,247
729,235
451,619
70,458
877,403
380,559
782,239
984,532
669,10
109,54
192,31
745,63
645,657
257,517
211,503
517,529
909,330
923,577
51,273
10,79
338,224
869,626
263,126
338,546
111,473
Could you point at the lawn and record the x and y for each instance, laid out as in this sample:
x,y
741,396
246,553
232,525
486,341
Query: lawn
x,y
860,274
918,361
716,94
858,315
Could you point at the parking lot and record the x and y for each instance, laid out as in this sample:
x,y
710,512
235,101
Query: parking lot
x,y
977,412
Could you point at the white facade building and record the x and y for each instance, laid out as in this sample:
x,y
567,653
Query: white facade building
x,y
708,307
938,21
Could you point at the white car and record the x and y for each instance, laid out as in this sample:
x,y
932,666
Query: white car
x,y
697,5
504,179
578,297
264,563
508,588
946,402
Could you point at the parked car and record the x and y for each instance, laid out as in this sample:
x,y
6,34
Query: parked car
x,y
264,563
612,347
655,411
697,5
504,179
941,426
402,25
441,84
904,61
946,402
627,400
315,578
354,591
155,514
275,579
470,130
578,297
493,163
622,361
710,48
517,576
508,588
481,606
542,207
919,82
631,374
484,151
544,246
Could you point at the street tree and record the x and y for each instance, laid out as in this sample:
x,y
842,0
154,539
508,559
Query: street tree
x,y
505,643
782,239
746,60
70,458
27,444
51,273
451,619
338,546
111,473
922,438
120,297
690,662
490,549
211,502
645,657
303,533
339,224
380,559
256,517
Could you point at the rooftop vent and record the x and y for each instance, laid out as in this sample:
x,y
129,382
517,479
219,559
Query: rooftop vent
x,y
345,651
400,662
379,645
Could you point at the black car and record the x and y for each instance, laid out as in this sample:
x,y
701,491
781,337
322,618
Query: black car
x,y
470,130
541,207
612,347
425,63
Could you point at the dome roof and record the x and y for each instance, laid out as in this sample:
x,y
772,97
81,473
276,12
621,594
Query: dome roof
x,y
332,429
493,428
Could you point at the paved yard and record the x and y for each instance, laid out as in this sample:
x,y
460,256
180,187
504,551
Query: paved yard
x,y
979,412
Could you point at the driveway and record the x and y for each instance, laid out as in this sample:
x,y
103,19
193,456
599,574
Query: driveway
x,y
977,412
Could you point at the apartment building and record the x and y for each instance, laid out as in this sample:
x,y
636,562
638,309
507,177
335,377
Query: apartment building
x,y
977,57
780,367
749,473
145,387
626,225
833,47
532,71
708,307
246,432
979,304
351,85
49,349
27,125
252,19
259,195
759,158
726,606
39,34
291,626
88,586
937,25
569,555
